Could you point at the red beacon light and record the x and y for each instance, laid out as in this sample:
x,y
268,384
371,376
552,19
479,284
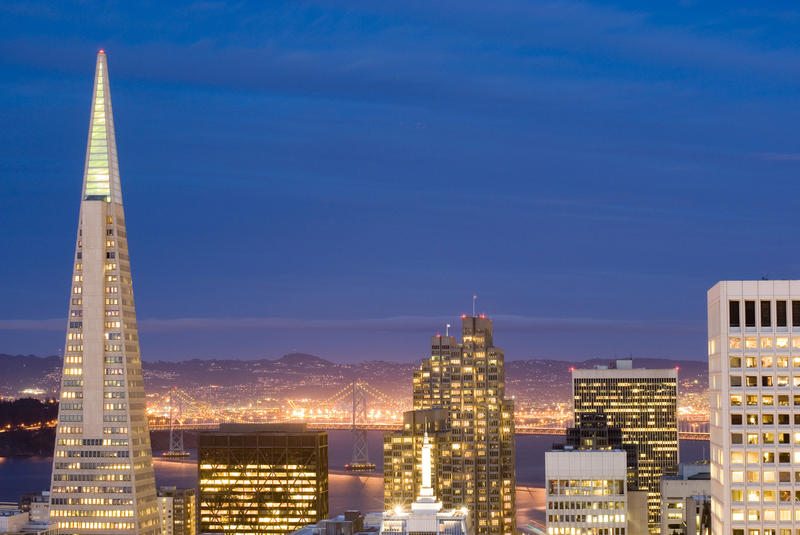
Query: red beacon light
x,y
463,316
572,368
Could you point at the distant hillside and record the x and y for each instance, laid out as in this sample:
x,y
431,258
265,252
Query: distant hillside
x,y
20,372
303,375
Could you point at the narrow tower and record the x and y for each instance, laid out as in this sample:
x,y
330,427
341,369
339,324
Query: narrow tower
x,y
103,479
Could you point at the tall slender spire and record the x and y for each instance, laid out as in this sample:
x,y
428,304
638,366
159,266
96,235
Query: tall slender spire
x,y
101,177
426,489
103,478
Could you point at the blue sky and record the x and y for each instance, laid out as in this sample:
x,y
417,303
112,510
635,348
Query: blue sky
x,y
341,177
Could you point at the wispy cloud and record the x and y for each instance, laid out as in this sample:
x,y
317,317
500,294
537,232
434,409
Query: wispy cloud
x,y
508,323
778,156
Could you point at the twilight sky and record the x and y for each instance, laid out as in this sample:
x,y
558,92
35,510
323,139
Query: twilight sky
x,y
339,178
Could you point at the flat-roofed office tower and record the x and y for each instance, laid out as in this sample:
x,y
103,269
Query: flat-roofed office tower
x,y
262,479
643,403
754,384
102,468
475,468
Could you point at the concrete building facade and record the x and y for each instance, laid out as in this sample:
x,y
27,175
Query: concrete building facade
x,y
686,501
754,385
586,492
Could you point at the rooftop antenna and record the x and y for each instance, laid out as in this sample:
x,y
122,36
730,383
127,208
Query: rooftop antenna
x,y
447,330
474,299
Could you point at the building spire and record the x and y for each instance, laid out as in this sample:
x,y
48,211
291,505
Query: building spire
x,y
427,468
101,175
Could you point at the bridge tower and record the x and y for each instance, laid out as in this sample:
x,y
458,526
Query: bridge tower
x,y
360,461
176,449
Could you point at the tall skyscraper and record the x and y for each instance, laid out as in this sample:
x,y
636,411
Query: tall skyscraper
x,y
425,516
754,384
476,451
262,479
643,403
102,468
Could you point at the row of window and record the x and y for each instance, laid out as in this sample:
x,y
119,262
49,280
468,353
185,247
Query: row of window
x,y
763,342
765,310
781,381
579,505
764,438
767,400
767,476
586,519
766,419
769,515
765,361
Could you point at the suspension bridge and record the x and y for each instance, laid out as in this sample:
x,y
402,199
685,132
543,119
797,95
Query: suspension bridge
x,y
347,409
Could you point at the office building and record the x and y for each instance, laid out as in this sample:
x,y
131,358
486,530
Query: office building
x,y
402,453
476,451
102,478
643,404
754,376
426,515
16,521
587,492
686,501
37,504
178,511
262,479
581,515
594,433
350,523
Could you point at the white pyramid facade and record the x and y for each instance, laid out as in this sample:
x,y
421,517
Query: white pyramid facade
x,y
102,480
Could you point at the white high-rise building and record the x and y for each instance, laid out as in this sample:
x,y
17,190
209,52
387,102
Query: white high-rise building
x,y
587,492
102,479
754,383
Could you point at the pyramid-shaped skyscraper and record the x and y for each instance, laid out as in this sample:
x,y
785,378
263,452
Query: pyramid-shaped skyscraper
x,y
103,479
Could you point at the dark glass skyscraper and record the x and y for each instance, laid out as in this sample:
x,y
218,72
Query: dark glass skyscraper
x,y
643,404
262,479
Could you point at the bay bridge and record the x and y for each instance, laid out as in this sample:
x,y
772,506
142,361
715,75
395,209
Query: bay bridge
x,y
344,410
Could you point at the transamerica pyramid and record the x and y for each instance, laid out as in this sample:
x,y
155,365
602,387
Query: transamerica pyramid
x,y
103,479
